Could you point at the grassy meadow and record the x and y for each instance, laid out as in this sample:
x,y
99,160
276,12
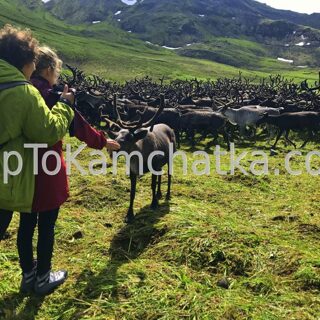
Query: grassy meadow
x,y
224,247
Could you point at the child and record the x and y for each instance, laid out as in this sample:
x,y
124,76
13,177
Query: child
x,y
51,191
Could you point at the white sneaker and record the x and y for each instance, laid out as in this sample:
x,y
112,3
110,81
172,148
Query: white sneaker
x,y
49,282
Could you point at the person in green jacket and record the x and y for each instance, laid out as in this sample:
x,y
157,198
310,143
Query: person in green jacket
x,y
24,119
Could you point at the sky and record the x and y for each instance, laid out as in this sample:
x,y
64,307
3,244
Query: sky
x,y
303,6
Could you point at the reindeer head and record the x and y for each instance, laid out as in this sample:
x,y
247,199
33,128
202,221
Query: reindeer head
x,y
127,134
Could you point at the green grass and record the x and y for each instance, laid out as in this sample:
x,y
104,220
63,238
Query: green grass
x,y
107,51
258,233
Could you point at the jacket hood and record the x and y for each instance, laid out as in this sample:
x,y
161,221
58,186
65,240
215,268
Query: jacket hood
x,y
9,73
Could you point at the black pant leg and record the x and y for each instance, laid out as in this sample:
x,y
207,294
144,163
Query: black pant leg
x,y
46,224
28,223
5,219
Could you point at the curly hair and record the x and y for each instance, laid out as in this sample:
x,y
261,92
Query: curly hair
x,y
18,46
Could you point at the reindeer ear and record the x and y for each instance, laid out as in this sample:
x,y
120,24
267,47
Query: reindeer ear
x,y
141,134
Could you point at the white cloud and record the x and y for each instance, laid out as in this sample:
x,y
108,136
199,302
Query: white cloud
x,y
309,6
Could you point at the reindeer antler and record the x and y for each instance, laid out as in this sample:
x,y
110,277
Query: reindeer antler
x,y
139,123
151,122
125,125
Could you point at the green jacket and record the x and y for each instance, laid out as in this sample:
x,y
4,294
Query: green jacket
x,y
25,118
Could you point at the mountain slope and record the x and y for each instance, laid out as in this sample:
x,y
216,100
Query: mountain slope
x,y
181,23
187,19
106,50
83,10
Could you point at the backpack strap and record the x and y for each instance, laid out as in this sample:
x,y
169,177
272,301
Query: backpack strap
x,y
8,85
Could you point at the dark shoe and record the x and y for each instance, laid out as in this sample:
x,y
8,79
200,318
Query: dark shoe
x,y
49,282
27,282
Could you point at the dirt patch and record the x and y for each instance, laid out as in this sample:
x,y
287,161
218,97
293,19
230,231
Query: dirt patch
x,y
249,180
310,230
291,218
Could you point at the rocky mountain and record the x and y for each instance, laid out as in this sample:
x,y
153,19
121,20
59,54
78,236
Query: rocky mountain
x,y
195,28
178,22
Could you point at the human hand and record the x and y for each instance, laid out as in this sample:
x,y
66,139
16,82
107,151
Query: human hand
x,y
112,145
68,95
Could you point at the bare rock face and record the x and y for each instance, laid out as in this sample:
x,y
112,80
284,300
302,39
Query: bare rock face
x,y
33,4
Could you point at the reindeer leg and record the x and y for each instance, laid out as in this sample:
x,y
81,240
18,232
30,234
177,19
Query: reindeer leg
x,y
270,131
310,136
159,193
287,138
192,137
215,136
177,133
229,131
168,196
277,139
251,132
254,136
242,133
226,137
130,215
203,136
154,204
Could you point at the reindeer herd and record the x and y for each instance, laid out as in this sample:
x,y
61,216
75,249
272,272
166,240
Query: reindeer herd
x,y
232,108
145,115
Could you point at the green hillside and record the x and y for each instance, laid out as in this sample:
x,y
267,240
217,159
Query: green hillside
x,y
115,54
205,23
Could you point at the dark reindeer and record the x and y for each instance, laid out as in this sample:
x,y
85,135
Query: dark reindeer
x,y
293,121
145,138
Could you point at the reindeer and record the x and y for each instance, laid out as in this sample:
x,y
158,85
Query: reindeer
x,y
293,121
243,117
144,138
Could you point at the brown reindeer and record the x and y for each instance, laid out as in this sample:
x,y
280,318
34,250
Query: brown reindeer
x,y
145,138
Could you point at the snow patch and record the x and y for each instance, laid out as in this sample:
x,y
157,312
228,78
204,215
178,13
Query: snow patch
x,y
300,44
201,15
117,13
285,60
118,20
95,22
148,42
171,48
129,2
302,67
